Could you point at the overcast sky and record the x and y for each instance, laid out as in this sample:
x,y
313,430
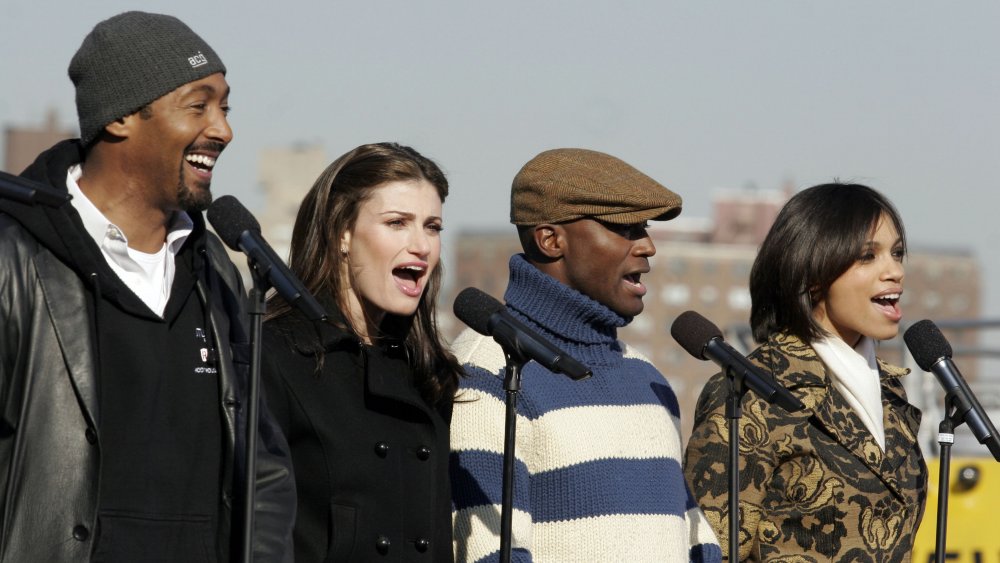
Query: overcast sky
x,y
700,95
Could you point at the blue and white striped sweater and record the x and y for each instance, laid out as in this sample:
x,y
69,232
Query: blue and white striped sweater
x,y
598,474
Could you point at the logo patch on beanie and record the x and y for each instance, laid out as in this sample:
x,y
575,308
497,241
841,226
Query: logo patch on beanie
x,y
198,60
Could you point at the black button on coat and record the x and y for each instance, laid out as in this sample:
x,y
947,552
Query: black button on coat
x,y
370,456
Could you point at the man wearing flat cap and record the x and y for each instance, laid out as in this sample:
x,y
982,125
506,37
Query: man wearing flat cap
x,y
124,343
597,473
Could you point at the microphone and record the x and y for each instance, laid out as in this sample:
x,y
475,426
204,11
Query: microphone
x,y
932,353
489,317
241,232
703,340
30,192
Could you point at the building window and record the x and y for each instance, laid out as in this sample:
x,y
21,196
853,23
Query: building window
x,y
959,303
708,294
674,357
676,294
739,298
741,270
932,271
642,324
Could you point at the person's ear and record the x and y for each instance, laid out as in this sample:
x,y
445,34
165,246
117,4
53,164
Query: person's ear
x,y
550,240
815,295
121,127
345,244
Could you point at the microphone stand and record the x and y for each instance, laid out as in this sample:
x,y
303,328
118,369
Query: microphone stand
x,y
956,405
257,308
734,412
512,386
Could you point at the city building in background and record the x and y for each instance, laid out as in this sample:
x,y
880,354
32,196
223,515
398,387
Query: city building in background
x,y
286,174
23,143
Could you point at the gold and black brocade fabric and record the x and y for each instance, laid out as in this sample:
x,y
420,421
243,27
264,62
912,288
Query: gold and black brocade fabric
x,y
814,485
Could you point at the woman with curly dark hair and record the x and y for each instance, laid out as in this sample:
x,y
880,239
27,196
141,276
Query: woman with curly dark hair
x,y
365,397
843,479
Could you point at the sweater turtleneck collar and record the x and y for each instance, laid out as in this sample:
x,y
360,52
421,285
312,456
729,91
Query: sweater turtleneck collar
x,y
559,309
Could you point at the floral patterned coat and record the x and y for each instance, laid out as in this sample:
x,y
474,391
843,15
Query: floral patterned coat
x,y
814,485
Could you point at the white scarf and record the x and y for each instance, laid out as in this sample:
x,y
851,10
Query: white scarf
x,y
854,373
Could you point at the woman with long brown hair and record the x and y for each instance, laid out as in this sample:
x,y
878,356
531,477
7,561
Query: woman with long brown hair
x,y
365,397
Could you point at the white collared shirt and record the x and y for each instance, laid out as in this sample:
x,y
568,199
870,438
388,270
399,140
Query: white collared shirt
x,y
149,276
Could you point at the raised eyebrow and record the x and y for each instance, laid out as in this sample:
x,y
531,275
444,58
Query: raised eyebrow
x,y
405,214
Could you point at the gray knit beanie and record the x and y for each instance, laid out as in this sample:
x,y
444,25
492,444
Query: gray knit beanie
x,y
131,60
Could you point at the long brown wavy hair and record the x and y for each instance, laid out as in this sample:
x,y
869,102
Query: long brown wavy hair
x,y
331,209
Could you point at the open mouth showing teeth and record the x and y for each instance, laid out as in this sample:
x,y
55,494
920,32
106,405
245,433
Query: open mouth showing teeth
x,y
632,283
888,300
408,276
200,161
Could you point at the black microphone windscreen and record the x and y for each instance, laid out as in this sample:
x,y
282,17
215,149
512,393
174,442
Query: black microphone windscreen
x,y
693,331
926,343
230,220
474,308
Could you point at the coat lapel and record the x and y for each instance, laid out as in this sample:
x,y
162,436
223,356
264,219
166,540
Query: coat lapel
x,y
840,420
902,420
387,375
67,306
807,374
384,366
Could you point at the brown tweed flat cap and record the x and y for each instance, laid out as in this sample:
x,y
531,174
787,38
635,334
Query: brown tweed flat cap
x,y
562,185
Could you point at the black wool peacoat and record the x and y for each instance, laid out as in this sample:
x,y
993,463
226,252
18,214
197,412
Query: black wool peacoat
x,y
370,455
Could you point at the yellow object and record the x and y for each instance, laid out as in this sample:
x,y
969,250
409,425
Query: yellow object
x,y
973,513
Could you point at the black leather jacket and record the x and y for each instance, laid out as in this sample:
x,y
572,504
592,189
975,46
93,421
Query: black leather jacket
x,y
49,436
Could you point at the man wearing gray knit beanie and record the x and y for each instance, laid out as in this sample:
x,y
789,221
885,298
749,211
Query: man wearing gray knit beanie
x,y
124,358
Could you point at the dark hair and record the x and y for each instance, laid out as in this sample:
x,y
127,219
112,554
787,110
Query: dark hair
x,y
328,211
817,236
